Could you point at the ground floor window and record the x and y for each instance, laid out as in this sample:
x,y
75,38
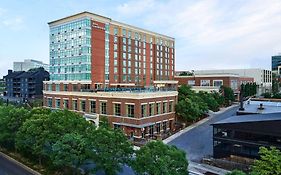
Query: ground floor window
x,y
57,103
83,105
74,105
50,102
103,107
92,107
65,104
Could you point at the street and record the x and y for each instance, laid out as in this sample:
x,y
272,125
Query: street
x,y
8,167
197,142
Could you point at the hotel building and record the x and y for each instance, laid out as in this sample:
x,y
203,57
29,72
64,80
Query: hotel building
x,y
99,66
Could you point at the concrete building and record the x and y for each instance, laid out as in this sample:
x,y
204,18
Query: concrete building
x,y
29,64
262,77
99,66
25,85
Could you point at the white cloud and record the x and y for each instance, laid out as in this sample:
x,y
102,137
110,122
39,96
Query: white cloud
x,y
212,33
135,7
8,20
15,23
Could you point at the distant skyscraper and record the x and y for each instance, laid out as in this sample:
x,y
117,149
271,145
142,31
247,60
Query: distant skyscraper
x,y
29,64
275,62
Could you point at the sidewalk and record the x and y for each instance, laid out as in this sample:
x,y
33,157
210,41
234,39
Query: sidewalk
x,y
31,171
211,115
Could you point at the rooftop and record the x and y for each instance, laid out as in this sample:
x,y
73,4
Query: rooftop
x,y
269,107
251,118
104,20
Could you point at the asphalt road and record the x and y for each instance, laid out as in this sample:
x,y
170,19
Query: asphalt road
x,y
197,142
8,167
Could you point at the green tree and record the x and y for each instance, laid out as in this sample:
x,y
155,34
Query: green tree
x,y
156,158
37,135
11,119
188,110
185,92
209,99
218,97
236,172
275,84
228,95
111,150
70,151
269,163
103,122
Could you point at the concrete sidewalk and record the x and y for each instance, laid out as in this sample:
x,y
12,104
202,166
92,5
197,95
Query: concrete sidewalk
x,y
19,164
211,115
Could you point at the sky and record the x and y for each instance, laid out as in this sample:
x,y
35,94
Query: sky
x,y
209,34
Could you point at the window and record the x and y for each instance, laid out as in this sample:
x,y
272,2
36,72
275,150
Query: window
x,y
205,83
82,105
217,83
75,87
57,103
143,110
151,109
234,84
74,105
57,87
164,107
92,107
171,106
191,82
65,104
164,126
65,87
158,108
50,102
158,128
103,107
117,109
130,110
115,31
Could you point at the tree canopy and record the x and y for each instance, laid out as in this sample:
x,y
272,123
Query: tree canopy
x,y
156,158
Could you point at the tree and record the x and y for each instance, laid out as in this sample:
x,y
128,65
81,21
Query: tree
x,y
156,158
236,172
269,163
188,110
218,97
11,119
37,135
103,122
228,95
110,150
185,92
209,100
275,84
70,151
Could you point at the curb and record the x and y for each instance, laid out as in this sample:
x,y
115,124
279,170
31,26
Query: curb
x,y
172,137
19,164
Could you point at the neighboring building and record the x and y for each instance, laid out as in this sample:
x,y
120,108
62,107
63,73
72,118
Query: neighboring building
x,y
213,82
243,135
275,62
262,77
2,87
99,66
26,85
28,64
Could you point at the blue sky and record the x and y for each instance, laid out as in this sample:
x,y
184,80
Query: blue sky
x,y
209,34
